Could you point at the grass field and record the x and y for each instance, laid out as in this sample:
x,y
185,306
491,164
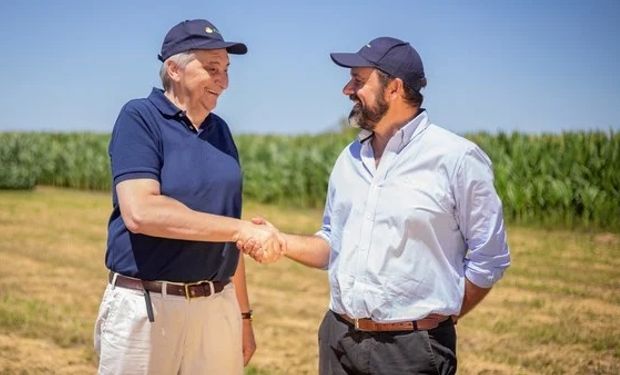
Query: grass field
x,y
555,312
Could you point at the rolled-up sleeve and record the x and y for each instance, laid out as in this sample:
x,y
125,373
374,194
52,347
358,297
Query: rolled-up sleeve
x,y
326,229
480,218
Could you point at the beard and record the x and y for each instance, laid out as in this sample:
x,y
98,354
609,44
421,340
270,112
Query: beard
x,y
366,117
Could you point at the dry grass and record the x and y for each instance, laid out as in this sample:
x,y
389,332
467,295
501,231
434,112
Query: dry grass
x,y
555,312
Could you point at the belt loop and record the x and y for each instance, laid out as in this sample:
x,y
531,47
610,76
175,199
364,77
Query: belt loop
x,y
211,287
164,289
114,276
415,325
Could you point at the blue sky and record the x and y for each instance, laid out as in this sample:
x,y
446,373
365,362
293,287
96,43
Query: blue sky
x,y
535,66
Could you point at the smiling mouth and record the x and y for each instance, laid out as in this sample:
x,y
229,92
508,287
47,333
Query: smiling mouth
x,y
213,92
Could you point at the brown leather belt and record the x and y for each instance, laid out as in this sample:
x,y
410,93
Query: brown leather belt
x,y
188,290
368,325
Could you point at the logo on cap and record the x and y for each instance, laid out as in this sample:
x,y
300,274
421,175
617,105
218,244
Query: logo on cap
x,y
211,30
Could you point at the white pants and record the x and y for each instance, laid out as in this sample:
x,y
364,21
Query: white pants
x,y
197,336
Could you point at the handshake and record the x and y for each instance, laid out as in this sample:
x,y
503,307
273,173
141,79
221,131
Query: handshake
x,y
262,241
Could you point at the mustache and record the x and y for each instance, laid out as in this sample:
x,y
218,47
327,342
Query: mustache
x,y
357,104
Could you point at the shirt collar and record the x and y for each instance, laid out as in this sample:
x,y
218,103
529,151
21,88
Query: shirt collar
x,y
404,134
163,104
167,108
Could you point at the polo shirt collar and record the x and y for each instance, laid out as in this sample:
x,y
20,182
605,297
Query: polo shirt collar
x,y
163,104
168,109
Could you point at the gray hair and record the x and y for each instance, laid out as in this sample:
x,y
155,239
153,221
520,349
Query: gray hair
x,y
181,60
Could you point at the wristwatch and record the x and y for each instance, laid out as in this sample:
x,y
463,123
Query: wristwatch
x,y
247,315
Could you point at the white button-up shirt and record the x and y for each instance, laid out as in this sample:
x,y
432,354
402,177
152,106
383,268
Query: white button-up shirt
x,y
404,235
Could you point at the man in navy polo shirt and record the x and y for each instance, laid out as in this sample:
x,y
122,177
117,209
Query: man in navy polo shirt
x,y
170,306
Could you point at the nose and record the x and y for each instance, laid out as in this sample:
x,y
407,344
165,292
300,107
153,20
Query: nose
x,y
349,88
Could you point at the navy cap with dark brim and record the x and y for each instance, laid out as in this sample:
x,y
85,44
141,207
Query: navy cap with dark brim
x,y
194,35
390,55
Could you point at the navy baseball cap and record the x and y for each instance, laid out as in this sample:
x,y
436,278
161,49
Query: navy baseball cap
x,y
390,55
196,34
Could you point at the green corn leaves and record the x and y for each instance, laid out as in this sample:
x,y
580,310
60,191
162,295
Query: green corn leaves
x,y
566,179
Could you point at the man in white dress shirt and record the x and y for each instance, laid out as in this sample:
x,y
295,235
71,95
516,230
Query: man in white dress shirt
x,y
413,233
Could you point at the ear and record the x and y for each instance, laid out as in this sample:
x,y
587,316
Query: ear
x,y
394,89
173,71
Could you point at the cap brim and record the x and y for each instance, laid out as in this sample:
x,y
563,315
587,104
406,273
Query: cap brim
x,y
350,60
231,47
236,48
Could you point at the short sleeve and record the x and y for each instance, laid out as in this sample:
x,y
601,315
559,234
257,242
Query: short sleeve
x,y
134,147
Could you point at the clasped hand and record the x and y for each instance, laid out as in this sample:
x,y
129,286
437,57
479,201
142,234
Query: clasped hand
x,y
262,241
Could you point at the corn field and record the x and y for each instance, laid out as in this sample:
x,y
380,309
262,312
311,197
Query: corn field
x,y
570,179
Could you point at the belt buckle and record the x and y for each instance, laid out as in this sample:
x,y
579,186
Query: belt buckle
x,y
186,287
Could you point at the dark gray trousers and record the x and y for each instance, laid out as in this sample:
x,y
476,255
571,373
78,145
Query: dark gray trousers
x,y
345,350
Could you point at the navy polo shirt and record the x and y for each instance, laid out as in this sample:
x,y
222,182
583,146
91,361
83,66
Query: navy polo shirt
x,y
152,138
